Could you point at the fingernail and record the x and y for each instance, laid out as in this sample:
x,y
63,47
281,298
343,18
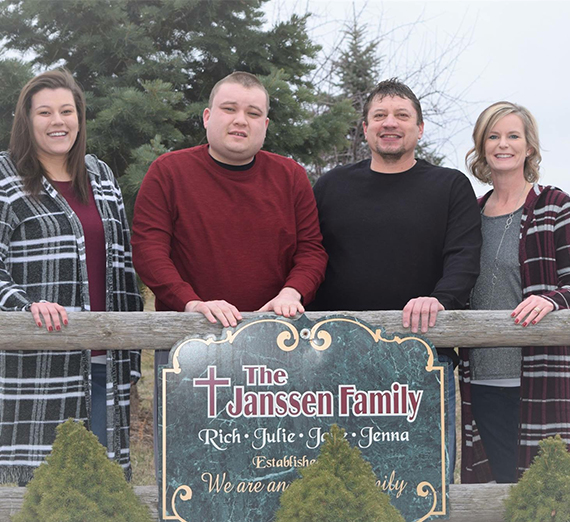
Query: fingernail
x,y
516,321
39,324
50,329
525,323
65,323
513,314
534,322
58,327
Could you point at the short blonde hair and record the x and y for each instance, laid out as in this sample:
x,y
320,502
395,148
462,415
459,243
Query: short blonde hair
x,y
475,158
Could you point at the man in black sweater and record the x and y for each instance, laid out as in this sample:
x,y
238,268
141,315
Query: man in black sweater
x,y
401,234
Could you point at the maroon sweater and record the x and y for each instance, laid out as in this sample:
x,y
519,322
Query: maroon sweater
x,y
201,231
94,246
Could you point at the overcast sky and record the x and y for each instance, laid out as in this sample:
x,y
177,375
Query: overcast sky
x,y
509,50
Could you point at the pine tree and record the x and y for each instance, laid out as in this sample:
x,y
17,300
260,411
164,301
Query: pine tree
x,y
143,156
339,486
148,66
358,69
13,75
543,493
78,483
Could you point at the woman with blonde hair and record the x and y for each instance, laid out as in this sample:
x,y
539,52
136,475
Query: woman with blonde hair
x,y
513,397
64,246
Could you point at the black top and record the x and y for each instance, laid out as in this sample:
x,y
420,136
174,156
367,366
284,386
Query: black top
x,y
393,237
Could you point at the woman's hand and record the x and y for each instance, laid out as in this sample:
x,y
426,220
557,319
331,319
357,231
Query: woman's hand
x,y
53,314
532,310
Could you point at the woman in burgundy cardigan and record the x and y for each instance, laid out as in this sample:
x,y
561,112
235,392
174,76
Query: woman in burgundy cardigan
x,y
513,397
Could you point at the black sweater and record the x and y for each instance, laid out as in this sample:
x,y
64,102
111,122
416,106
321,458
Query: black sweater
x,y
393,237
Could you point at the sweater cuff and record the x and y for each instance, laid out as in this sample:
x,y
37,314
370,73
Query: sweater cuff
x,y
186,299
552,297
304,286
176,301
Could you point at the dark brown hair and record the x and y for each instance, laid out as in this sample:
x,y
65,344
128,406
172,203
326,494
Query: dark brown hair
x,y
393,87
23,147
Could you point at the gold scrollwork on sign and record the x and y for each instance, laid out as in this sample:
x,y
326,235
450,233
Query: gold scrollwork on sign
x,y
423,490
285,336
185,494
324,336
230,337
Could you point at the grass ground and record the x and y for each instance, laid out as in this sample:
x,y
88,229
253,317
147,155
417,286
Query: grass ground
x,y
142,445
142,449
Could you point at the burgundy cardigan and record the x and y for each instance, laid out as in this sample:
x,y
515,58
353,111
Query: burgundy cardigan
x,y
544,256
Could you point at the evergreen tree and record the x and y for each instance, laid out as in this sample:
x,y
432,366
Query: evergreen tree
x,y
359,71
328,120
339,486
78,483
143,156
148,66
13,75
543,493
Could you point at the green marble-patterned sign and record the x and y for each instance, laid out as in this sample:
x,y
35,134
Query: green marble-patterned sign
x,y
240,414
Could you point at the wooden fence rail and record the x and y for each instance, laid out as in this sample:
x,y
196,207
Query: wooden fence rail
x,y
160,331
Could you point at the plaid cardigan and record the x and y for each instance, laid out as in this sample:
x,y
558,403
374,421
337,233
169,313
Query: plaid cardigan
x,y
544,256
42,256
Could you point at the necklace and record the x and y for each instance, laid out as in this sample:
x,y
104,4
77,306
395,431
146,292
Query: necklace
x,y
508,223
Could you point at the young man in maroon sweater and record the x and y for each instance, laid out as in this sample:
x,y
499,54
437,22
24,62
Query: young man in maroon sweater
x,y
224,227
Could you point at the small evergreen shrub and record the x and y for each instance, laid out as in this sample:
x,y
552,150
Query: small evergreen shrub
x,y
339,487
78,483
543,493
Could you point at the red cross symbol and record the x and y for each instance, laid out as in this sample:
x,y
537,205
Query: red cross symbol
x,y
212,382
